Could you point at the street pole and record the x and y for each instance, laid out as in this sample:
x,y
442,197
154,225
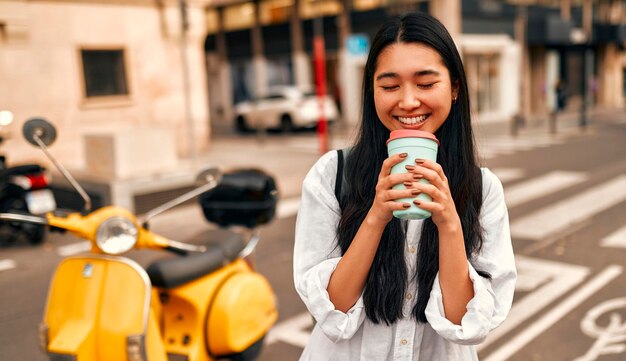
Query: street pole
x,y
521,22
186,84
319,56
587,94
587,62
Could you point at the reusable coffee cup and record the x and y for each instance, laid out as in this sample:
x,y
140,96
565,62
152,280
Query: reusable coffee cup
x,y
418,145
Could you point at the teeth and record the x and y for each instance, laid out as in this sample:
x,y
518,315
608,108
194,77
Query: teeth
x,y
419,119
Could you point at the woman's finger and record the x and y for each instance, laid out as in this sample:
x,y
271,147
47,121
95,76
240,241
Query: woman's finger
x,y
394,194
432,207
398,178
434,166
428,174
388,163
434,192
397,206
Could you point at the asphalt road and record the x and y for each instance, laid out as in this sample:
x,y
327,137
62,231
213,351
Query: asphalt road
x,y
567,207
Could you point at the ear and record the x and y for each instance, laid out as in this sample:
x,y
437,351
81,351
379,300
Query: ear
x,y
455,90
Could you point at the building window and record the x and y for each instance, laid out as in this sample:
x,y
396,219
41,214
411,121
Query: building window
x,y
104,72
483,78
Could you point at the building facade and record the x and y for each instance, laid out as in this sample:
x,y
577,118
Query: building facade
x,y
93,66
579,44
103,66
514,51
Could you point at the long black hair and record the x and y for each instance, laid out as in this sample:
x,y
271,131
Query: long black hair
x,y
388,277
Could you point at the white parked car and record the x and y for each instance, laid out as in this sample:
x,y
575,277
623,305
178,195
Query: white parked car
x,y
285,107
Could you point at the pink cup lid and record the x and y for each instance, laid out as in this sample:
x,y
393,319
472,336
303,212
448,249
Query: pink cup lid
x,y
409,133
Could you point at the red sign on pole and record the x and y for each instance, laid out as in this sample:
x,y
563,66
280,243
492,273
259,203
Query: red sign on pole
x,y
319,57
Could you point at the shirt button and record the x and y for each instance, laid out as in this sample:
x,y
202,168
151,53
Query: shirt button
x,y
409,296
404,342
412,249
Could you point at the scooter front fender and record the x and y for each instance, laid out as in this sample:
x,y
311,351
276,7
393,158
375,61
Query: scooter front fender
x,y
99,309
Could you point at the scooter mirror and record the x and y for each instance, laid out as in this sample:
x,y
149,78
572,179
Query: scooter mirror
x,y
208,175
39,128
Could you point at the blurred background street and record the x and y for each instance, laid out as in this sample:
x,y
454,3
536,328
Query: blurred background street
x,y
146,93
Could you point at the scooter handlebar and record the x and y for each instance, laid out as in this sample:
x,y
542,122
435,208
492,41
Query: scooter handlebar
x,y
23,218
154,241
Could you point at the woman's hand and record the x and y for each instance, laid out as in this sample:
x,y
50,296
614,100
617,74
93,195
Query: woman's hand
x,y
381,211
442,207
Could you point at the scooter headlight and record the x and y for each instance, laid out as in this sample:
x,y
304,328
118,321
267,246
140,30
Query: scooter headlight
x,y
116,235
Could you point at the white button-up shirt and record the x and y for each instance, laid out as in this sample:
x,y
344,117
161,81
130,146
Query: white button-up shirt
x,y
352,336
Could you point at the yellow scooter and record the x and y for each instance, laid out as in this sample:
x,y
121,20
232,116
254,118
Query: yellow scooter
x,y
208,304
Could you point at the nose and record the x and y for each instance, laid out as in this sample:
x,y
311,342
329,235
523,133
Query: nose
x,y
410,98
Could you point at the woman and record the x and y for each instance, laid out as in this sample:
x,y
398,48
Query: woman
x,y
385,289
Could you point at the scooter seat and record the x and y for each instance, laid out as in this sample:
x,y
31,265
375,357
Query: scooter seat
x,y
176,271
21,170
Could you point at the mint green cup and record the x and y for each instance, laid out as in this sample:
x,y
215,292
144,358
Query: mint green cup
x,y
418,145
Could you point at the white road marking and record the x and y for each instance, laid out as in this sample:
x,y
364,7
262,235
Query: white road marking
x,y
74,248
292,331
508,174
492,147
288,207
7,264
541,186
565,214
611,338
615,239
512,145
549,280
555,314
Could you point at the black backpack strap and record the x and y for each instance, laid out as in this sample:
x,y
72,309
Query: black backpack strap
x,y
341,186
339,177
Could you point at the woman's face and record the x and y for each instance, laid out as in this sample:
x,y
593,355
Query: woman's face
x,y
412,88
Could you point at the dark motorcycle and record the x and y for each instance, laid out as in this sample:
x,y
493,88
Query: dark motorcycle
x,y
24,189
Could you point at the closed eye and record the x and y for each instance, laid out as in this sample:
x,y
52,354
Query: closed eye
x,y
426,86
389,87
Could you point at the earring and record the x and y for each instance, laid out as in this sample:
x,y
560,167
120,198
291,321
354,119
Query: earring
x,y
454,100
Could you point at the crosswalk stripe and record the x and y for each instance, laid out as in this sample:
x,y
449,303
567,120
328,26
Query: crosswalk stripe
x,y
507,145
555,314
541,186
292,331
615,239
7,264
548,280
562,215
74,248
508,174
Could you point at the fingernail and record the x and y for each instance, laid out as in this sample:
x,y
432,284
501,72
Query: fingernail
x,y
415,192
404,155
417,202
419,161
409,167
406,205
417,176
408,184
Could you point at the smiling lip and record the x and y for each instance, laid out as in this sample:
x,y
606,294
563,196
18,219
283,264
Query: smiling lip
x,y
412,121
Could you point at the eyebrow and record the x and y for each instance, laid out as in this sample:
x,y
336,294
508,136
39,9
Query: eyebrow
x,y
417,74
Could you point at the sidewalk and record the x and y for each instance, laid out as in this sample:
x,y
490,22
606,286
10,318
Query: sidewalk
x,y
288,157
540,124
